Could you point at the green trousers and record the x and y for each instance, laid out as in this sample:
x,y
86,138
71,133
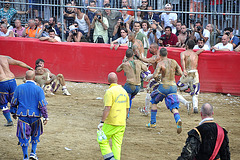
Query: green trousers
x,y
115,133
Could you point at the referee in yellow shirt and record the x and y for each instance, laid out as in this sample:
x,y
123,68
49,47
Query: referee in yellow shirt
x,y
113,122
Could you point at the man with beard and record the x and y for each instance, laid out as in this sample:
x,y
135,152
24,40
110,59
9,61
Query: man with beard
x,y
183,36
201,45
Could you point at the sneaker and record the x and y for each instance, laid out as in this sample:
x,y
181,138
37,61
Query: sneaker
x,y
149,125
188,105
33,156
195,110
143,111
65,92
179,126
8,124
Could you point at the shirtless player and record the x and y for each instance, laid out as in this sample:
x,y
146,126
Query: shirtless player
x,y
190,79
59,78
153,84
132,69
8,84
167,89
137,45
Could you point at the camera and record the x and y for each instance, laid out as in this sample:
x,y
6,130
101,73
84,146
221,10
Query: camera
x,y
98,16
227,33
154,31
162,38
48,27
199,28
2,22
121,23
191,20
74,32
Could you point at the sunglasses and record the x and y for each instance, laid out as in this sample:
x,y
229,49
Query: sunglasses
x,y
123,32
144,2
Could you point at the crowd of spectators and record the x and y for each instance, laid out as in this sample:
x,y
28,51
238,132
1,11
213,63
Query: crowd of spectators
x,y
113,26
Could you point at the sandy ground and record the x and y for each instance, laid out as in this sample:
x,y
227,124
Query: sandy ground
x,y
71,132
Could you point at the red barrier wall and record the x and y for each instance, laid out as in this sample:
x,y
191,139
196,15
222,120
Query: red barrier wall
x,y
88,62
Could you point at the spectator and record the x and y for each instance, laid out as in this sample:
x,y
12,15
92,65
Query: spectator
x,y
125,3
91,14
200,32
75,34
100,25
139,15
18,30
112,17
169,19
151,17
201,45
210,28
52,23
224,46
5,32
52,37
45,30
32,31
145,27
178,28
9,27
183,36
196,6
8,12
169,39
38,21
144,6
117,28
141,37
126,17
35,8
153,34
122,41
234,40
83,22
69,18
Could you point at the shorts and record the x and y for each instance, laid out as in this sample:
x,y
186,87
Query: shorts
x,y
190,81
131,89
167,92
152,85
7,89
29,127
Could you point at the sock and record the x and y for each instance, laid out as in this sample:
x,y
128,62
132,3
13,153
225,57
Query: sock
x,y
153,116
34,148
176,117
195,101
25,152
64,87
147,102
182,99
7,115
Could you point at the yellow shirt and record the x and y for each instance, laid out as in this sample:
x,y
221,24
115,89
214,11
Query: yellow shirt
x,y
118,99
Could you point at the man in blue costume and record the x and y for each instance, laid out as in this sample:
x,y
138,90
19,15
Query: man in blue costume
x,y
8,84
29,105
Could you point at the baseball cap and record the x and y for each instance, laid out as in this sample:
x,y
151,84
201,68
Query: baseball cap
x,y
168,5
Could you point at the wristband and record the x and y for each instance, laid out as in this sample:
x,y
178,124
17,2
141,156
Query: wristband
x,y
101,121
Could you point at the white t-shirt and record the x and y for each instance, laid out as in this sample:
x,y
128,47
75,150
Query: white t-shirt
x,y
5,35
144,32
122,40
205,47
57,38
206,33
221,46
166,18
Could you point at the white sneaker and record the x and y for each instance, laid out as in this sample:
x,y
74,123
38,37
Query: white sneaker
x,y
33,156
143,111
65,92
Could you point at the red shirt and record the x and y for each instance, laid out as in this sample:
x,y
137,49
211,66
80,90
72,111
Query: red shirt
x,y
129,12
172,40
